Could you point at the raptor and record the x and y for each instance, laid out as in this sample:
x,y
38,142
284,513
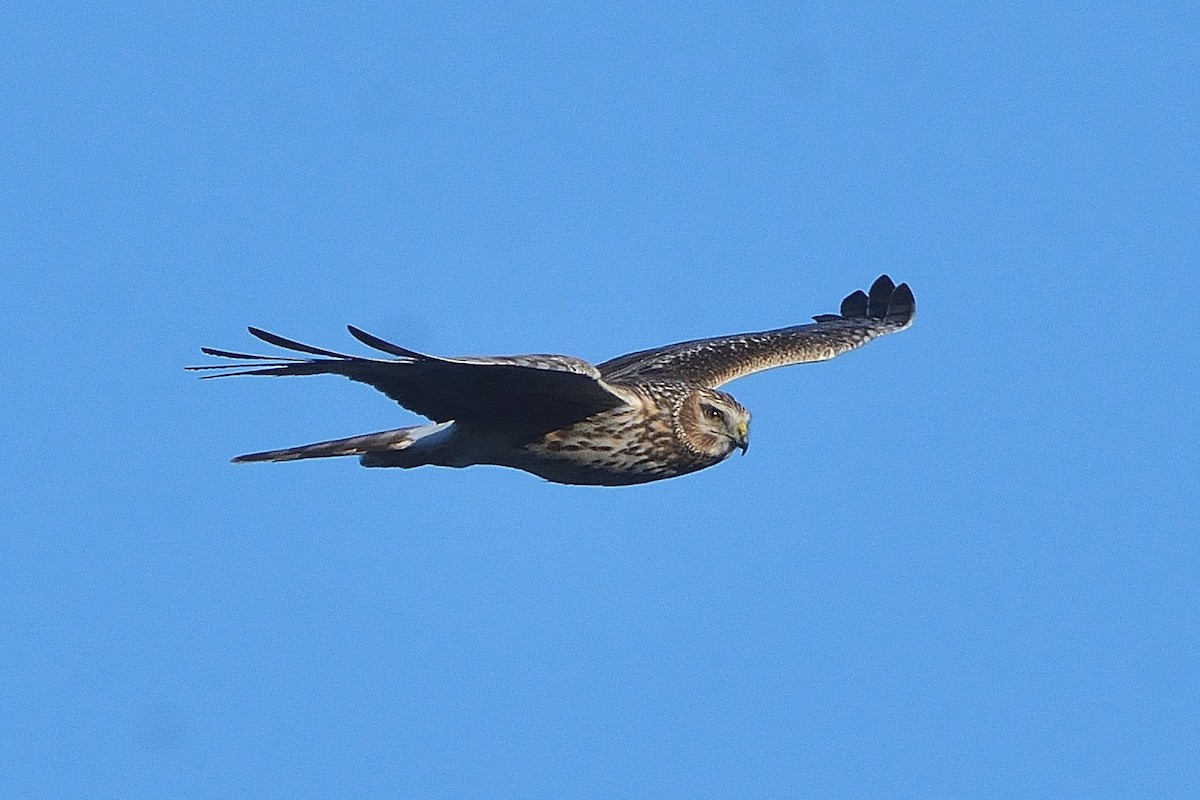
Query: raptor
x,y
636,418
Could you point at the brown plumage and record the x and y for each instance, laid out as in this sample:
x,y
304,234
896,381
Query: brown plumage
x,y
639,417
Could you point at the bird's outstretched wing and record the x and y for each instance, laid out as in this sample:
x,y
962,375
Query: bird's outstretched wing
x,y
534,391
887,308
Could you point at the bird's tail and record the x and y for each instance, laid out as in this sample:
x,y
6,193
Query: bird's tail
x,y
382,442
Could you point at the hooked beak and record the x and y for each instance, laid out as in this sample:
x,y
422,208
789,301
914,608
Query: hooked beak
x,y
743,437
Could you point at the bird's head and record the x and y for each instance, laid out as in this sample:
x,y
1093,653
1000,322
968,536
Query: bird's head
x,y
712,423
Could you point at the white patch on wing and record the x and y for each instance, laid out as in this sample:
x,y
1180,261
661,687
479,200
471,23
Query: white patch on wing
x,y
432,435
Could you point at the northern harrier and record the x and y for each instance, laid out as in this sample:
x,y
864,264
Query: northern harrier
x,y
639,417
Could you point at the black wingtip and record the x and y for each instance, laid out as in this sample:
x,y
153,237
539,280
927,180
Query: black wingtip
x,y
212,351
879,297
855,305
290,344
375,342
884,300
902,305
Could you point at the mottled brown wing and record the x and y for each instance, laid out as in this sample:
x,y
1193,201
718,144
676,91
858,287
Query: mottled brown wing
x,y
887,308
538,391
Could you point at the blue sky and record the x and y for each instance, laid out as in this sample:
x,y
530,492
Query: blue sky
x,y
961,562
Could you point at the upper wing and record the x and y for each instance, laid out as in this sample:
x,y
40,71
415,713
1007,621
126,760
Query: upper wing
x,y
545,391
711,362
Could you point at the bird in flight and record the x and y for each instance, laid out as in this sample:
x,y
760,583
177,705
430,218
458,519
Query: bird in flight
x,y
640,417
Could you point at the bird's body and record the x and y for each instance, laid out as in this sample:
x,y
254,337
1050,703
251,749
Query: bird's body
x,y
642,441
637,418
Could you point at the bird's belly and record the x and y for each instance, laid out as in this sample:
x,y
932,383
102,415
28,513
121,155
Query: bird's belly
x,y
614,448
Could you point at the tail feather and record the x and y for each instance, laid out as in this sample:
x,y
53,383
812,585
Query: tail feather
x,y
384,441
